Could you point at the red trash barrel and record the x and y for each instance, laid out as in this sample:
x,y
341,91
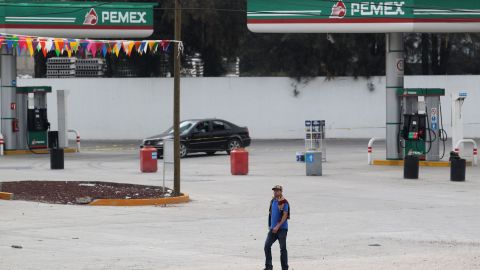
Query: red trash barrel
x,y
148,159
239,161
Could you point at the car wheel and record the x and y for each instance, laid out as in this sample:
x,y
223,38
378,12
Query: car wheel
x,y
183,150
232,145
210,153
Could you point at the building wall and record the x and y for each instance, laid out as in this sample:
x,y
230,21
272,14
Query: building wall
x,y
120,108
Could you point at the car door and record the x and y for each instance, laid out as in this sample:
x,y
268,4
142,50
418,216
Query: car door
x,y
220,134
200,136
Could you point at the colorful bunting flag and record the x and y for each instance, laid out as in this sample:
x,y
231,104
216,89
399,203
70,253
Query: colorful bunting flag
x,y
30,44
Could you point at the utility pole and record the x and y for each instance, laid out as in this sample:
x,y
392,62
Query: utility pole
x,y
176,99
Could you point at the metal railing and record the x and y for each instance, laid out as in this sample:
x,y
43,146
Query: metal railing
x,y
77,138
2,143
475,149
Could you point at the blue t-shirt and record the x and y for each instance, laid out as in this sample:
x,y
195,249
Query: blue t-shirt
x,y
277,215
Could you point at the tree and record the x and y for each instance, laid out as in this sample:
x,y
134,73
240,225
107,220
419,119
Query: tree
x,y
217,29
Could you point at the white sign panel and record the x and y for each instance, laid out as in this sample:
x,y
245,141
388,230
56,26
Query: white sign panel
x,y
168,151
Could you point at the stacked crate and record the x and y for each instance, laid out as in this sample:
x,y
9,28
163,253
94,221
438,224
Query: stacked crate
x,y
93,67
60,67
63,67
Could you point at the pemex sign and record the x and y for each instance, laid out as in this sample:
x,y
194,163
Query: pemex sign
x,y
354,16
77,19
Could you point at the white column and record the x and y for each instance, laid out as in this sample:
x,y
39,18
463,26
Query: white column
x,y
62,118
8,74
394,77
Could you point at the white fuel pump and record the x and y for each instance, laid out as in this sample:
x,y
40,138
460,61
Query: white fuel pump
x,y
458,99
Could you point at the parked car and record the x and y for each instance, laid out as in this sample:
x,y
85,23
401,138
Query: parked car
x,y
203,135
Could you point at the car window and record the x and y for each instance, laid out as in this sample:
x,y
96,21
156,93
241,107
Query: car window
x,y
203,127
184,126
220,126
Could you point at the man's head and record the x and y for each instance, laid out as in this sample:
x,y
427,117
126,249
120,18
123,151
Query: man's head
x,y
277,191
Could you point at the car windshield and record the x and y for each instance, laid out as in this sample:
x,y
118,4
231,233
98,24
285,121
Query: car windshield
x,y
184,126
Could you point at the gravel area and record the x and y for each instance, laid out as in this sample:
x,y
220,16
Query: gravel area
x,y
79,192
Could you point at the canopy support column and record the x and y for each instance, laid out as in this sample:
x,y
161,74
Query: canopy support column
x,y
394,78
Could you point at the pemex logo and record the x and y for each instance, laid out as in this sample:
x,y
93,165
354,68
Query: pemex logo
x,y
91,18
339,10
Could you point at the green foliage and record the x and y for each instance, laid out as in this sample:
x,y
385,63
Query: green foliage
x,y
442,54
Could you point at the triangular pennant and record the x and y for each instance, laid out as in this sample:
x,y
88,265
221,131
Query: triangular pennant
x,y
93,48
104,50
74,45
29,46
155,47
22,45
141,48
117,48
89,46
137,45
130,48
126,45
57,47
165,44
110,47
35,44
49,45
151,43
41,45
61,44
83,45
9,44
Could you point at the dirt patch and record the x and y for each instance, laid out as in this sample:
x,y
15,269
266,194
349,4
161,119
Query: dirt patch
x,y
76,192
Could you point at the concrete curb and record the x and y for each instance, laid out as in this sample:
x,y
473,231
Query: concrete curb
x,y
422,163
140,202
6,196
123,202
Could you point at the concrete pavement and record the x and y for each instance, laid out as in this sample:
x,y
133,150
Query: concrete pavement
x,y
354,217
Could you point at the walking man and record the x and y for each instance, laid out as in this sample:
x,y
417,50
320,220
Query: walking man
x,y
279,214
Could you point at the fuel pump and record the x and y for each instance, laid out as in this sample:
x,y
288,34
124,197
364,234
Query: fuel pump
x,y
414,133
32,117
37,127
422,132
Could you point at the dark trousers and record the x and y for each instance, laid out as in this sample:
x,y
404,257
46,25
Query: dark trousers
x,y
281,236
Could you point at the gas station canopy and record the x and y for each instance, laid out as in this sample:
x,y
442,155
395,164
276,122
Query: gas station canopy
x,y
77,19
354,16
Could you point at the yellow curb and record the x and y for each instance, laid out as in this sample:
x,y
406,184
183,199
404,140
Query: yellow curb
x,y
35,151
422,163
140,202
6,196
